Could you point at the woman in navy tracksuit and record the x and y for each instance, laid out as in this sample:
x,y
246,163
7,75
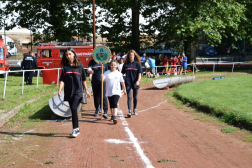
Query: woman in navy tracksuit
x,y
71,79
133,70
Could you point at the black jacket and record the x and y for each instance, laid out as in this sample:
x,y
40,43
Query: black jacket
x,y
72,81
29,62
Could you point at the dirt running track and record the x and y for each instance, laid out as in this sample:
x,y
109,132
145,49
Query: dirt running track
x,y
160,131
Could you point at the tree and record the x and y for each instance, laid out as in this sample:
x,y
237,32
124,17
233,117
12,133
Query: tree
x,y
187,22
121,29
57,19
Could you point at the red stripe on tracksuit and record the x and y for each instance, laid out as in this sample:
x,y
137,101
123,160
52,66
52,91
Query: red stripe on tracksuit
x,y
131,69
72,72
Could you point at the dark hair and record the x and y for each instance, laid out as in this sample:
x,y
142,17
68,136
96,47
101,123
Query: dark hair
x,y
30,52
153,57
64,60
116,57
113,61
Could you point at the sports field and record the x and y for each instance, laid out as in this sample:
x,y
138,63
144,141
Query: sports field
x,y
164,134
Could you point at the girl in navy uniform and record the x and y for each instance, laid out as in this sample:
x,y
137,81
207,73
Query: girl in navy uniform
x,y
133,70
71,76
95,70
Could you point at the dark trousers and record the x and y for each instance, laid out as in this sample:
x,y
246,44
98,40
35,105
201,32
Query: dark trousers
x,y
129,96
97,96
113,101
74,103
28,77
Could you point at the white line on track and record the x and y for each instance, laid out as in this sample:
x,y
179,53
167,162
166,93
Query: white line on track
x,y
117,141
21,136
151,107
135,142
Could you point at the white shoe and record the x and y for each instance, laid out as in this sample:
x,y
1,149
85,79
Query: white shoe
x,y
75,132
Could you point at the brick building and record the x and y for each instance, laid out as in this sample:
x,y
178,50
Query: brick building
x,y
21,38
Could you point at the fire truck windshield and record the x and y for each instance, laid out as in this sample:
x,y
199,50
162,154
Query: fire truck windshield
x,y
1,53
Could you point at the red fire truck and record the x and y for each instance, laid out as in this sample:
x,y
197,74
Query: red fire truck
x,y
4,62
49,56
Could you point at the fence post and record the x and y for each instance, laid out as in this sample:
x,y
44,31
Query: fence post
x,y
5,81
23,83
193,68
37,77
233,68
213,67
58,78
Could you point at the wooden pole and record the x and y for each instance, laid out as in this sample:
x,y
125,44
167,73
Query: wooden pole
x,y
94,40
102,94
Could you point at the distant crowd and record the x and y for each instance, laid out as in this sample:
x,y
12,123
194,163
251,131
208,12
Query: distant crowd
x,y
173,64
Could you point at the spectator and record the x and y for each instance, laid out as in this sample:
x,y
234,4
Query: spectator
x,y
113,53
180,67
175,60
165,63
192,62
228,51
29,63
184,62
153,66
119,55
143,59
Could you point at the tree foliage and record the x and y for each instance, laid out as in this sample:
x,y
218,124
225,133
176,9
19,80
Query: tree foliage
x,y
186,21
57,18
179,24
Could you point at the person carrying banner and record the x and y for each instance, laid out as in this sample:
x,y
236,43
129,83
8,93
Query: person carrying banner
x,y
95,69
70,77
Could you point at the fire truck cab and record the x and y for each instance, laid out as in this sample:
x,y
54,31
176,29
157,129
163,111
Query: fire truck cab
x,y
49,56
4,62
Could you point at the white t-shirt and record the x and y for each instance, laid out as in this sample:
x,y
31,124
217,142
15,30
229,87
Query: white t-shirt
x,y
121,66
113,80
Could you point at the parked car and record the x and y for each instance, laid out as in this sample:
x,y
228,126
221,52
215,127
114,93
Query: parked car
x,y
206,50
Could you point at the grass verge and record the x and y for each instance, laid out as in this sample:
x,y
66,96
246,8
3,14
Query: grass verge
x,y
229,99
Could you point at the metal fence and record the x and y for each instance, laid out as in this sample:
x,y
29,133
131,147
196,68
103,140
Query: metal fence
x,y
23,72
213,64
222,59
39,70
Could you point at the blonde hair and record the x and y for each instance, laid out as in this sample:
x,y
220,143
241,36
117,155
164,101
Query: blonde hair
x,y
136,58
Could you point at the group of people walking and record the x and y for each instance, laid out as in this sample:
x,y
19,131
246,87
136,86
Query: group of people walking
x,y
119,78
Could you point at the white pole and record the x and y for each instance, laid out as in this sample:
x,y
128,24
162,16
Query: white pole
x,y
213,67
37,77
233,68
58,78
193,68
23,84
6,74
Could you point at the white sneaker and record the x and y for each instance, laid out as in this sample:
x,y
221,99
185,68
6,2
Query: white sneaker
x,y
75,132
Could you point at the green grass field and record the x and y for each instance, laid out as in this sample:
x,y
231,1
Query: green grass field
x,y
229,99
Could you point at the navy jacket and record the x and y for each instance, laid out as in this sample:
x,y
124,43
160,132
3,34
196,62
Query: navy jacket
x,y
132,70
72,82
